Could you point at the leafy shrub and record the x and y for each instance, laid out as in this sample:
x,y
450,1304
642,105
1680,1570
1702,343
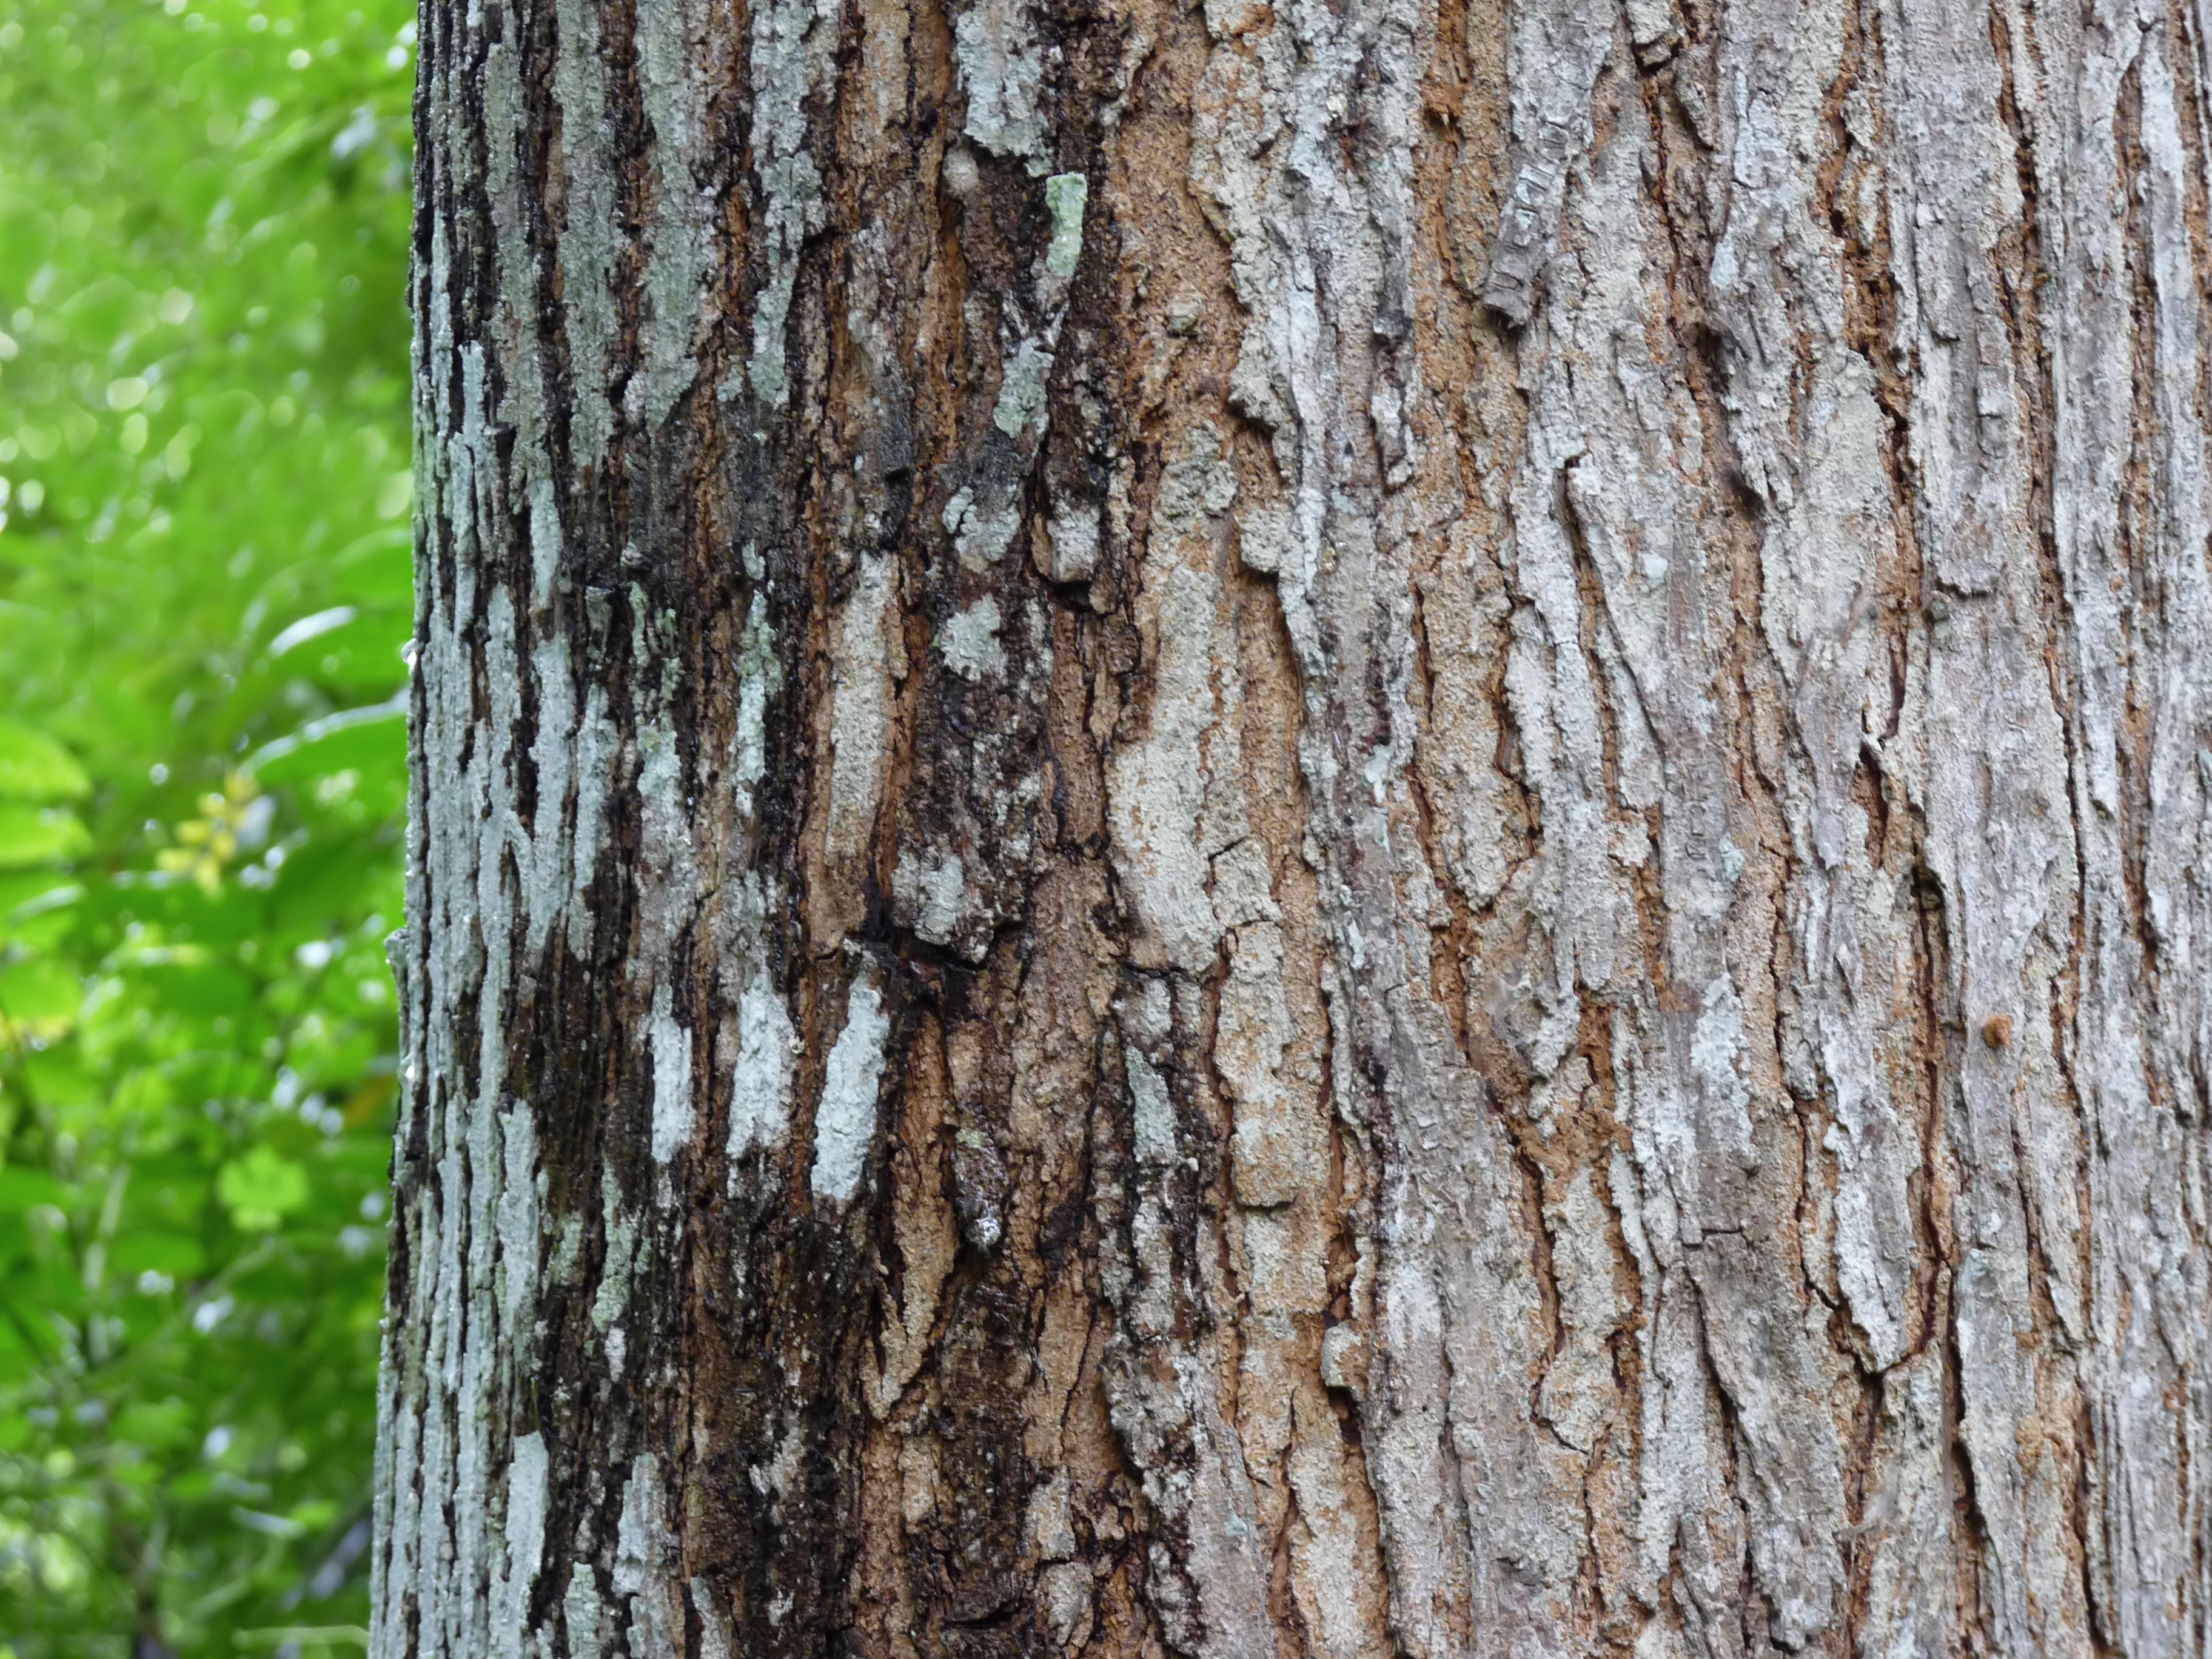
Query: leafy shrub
x,y
205,590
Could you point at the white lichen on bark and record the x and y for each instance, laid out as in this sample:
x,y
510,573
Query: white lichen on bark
x,y
845,1119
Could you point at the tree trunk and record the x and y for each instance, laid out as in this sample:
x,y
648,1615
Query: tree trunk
x,y
1359,829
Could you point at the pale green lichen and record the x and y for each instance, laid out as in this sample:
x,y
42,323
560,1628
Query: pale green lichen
x,y
1021,391
1065,194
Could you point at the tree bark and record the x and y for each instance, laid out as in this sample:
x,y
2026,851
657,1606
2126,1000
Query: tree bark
x,y
1360,829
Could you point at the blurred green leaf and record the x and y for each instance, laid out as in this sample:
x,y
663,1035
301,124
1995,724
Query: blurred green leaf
x,y
176,1255
40,835
204,585
261,1188
33,767
39,991
335,744
352,1635
20,1189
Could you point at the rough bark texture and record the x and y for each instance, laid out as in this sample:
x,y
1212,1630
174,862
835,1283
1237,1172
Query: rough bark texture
x,y
1369,828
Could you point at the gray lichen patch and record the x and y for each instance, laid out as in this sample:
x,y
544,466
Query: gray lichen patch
x,y
930,896
1001,69
845,1120
982,523
791,44
1065,197
969,641
676,73
673,1114
1556,51
1019,412
1068,546
761,1079
587,248
860,710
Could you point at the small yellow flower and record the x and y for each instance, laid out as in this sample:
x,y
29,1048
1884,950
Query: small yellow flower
x,y
207,843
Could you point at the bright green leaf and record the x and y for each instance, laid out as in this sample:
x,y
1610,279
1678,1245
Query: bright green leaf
x,y
39,991
38,834
199,424
35,768
261,1188
179,1255
352,738
22,1188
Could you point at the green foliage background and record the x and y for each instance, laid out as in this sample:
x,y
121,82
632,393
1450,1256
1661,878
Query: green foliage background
x,y
205,590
